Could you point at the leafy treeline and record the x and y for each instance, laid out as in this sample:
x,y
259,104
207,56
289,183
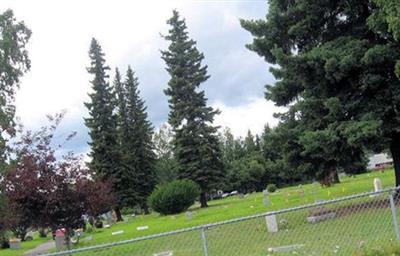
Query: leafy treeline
x,y
253,162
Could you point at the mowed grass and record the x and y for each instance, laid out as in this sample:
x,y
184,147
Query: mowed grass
x,y
251,237
25,246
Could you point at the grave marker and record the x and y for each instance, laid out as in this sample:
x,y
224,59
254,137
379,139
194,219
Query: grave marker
x,y
287,248
272,224
119,232
168,253
142,227
377,184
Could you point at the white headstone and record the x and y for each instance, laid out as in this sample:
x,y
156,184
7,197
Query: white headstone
x,y
142,227
377,184
272,224
189,215
109,218
168,253
119,232
266,201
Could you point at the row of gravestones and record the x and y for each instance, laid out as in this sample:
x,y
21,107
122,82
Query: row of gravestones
x,y
272,223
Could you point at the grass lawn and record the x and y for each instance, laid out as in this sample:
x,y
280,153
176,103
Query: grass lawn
x,y
251,237
25,246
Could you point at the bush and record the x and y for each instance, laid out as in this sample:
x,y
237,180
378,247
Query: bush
x,y
271,188
174,197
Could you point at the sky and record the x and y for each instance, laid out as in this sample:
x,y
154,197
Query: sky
x,y
130,34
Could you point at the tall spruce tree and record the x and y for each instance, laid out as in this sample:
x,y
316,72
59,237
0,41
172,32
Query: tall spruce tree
x,y
126,189
102,124
138,144
336,73
196,144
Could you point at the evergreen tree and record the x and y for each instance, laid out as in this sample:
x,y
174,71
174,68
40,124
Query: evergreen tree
x,y
139,145
335,66
126,189
102,124
386,18
249,144
196,144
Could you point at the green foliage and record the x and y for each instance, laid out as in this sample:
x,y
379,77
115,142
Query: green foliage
x,y
174,197
3,217
135,143
392,249
101,121
271,188
166,164
196,145
336,75
14,63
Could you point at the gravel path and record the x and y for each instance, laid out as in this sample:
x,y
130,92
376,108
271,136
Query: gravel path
x,y
41,249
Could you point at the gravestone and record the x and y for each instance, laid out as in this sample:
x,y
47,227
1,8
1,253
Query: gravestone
x,y
189,215
109,218
272,224
167,253
285,249
15,244
377,184
60,240
142,228
266,201
119,232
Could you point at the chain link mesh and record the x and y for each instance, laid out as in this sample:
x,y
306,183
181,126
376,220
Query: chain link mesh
x,y
337,227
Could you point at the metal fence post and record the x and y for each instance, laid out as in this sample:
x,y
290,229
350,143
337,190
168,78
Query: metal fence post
x,y
394,215
204,241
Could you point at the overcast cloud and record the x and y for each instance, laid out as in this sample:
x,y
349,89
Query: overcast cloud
x,y
129,32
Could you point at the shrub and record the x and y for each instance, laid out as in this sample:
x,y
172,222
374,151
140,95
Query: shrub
x,y
174,197
271,188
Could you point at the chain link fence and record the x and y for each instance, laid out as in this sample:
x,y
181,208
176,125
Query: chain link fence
x,y
342,226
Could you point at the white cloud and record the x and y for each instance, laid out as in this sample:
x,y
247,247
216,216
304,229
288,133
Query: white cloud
x,y
129,33
252,116
62,31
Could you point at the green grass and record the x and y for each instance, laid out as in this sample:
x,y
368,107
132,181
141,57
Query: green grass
x,y
251,237
25,246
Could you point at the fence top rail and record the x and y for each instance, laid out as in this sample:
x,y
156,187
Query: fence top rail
x,y
216,224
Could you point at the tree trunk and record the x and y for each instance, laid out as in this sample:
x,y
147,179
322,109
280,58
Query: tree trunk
x,y
67,238
118,214
335,176
395,150
146,209
203,200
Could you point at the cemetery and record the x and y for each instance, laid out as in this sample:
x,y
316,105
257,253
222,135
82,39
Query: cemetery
x,y
271,227
200,128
